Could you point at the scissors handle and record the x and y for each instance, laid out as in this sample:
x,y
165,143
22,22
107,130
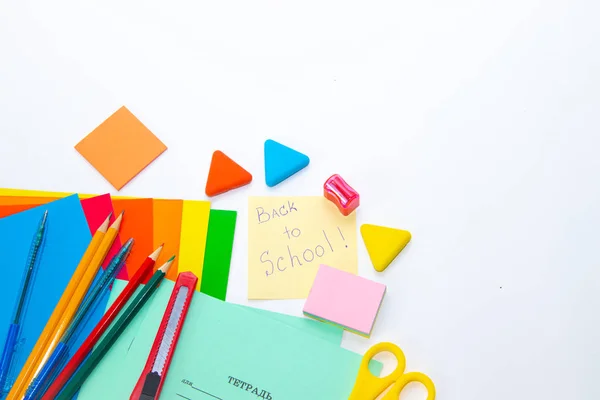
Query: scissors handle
x,y
394,393
369,386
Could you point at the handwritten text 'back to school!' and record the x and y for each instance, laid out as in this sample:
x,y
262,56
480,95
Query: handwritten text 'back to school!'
x,y
295,257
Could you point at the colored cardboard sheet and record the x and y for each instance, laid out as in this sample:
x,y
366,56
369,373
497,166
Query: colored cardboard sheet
x,y
120,147
167,229
7,192
10,209
96,209
219,246
67,237
32,193
194,229
138,224
206,357
289,237
26,200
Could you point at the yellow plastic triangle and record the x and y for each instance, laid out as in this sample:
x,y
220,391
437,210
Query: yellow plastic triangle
x,y
383,244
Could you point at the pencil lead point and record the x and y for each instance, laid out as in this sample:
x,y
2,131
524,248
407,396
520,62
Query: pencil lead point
x,y
165,267
104,227
117,224
156,253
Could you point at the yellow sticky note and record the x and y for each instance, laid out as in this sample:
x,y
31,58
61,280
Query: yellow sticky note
x,y
194,226
289,237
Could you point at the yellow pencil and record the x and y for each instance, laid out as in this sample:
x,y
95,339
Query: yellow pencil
x,y
32,367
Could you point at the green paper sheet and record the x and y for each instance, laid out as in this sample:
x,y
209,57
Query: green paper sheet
x,y
219,340
217,256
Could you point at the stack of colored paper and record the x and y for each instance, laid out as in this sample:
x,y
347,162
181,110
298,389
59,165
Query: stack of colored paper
x,y
201,238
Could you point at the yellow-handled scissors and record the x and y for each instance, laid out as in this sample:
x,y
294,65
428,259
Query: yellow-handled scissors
x,y
369,386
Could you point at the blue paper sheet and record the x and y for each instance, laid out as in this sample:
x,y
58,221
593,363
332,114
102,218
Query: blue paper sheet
x,y
67,238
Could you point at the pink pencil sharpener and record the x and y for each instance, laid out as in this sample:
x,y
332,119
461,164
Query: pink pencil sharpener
x,y
341,194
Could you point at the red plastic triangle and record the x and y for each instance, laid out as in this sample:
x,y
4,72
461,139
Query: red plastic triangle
x,y
225,175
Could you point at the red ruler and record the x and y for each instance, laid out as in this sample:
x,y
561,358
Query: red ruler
x,y
153,376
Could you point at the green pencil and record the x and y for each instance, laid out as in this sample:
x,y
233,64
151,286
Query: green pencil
x,y
112,335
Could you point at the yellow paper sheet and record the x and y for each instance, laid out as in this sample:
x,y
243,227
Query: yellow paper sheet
x,y
194,226
289,237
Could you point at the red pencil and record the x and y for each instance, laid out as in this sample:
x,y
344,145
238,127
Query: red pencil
x,y
139,277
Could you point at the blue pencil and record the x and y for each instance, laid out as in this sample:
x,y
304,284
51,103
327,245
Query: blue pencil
x,y
14,330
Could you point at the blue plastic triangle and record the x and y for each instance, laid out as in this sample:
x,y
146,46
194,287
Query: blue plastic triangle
x,y
281,162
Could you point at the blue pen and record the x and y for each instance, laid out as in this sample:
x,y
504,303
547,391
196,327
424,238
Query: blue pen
x,y
13,337
61,352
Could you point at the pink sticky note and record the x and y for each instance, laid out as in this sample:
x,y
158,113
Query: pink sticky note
x,y
344,299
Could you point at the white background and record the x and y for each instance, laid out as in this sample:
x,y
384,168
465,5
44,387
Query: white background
x,y
472,124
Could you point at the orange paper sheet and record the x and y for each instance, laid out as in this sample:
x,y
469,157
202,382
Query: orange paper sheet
x,y
10,209
167,230
120,147
25,201
138,224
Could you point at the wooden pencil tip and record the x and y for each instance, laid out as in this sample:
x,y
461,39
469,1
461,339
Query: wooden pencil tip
x,y
154,256
104,227
165,267
117,224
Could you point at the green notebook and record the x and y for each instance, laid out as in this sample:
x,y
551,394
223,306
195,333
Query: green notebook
x,y
224,347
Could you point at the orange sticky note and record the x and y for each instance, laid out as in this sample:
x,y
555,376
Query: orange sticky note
x,y
120,147
167,230
137,223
